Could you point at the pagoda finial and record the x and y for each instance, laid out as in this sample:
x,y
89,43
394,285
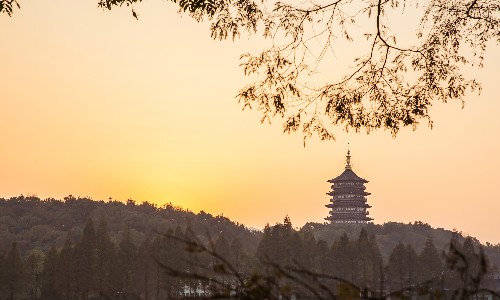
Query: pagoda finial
x,y
348,161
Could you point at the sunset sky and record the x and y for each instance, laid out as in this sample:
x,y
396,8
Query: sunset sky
x,y
95,103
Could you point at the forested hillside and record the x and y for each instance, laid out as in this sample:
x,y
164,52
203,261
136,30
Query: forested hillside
x,y
36,223
390,234
77,248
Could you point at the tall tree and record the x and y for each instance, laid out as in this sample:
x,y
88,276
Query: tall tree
x,y
342,257
14,271
86,257
280,244
411,258
67,271
105,260
377,266
33,271
127,260
324,262
49,274
145,269
430,265
397,269
364,258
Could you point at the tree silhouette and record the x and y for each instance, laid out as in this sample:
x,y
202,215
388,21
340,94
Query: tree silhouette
x,y
105,260
127,259
310,263
430,265
391,83
293,280
49,274
86,256
33,270
14,280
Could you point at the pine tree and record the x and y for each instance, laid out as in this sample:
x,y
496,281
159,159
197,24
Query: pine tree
x,y
33,271
15,277
67,271
265,245
411,258
105,259
324,262
364,259
86,260
48,287
307,252
342,257
163,256
430,265
397,267
378,280
127,260
145,268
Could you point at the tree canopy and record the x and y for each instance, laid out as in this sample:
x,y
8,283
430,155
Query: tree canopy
x,y
84,249
392,78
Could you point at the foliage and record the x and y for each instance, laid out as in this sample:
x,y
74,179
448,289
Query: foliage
x,y
390,84
37,223
291,279
180,261
7,6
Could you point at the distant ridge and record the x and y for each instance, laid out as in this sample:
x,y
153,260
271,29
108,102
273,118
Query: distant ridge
x,y
389,234
36,223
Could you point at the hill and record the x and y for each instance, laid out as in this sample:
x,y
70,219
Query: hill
x,y
77,248
36,223
388,235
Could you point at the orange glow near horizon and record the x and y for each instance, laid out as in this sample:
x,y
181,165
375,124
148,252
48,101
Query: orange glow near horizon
x,y
98,104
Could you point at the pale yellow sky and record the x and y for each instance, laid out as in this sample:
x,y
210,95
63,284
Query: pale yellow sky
x,y
98,104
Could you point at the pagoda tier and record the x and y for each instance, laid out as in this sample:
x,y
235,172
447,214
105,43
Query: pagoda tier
x,y
348,197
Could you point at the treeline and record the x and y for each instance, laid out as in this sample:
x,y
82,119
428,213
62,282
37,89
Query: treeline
x,y
77,249
94,267
179,264
40,224
359,261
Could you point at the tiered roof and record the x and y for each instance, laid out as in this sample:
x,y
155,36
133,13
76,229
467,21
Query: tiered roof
x,y
348,202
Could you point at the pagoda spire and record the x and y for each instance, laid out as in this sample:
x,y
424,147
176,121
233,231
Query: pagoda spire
x,y
348,158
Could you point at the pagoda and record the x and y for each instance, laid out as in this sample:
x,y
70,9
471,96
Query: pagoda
x,y
348,197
